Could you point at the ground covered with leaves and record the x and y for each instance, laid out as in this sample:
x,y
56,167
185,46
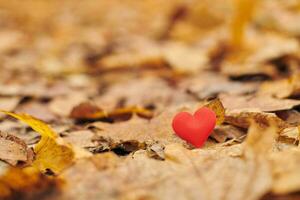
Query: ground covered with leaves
x,y
88,91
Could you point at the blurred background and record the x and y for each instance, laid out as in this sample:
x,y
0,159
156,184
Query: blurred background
x,y
235,37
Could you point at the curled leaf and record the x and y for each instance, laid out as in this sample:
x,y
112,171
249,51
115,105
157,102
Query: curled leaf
x,y
13,149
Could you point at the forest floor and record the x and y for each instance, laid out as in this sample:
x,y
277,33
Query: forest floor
x,y
98,83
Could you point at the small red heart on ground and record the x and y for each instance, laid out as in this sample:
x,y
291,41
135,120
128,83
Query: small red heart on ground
x,y
196,128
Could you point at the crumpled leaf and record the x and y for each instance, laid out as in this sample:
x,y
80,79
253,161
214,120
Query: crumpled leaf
x,y
290,116
227,132
50,155
244,119
13,149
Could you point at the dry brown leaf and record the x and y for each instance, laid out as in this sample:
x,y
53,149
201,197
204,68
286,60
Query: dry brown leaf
x,y
123,112
90,111
290,116
9,103
289,137
37,110
286,171
283,163
80,138
183,58
262,48
87,110
105,160
126,61
244,119
204,86
13,149
280,16
227,132
188,172
289,87
158,129
262,139
135,129
256,103
142,92
62,106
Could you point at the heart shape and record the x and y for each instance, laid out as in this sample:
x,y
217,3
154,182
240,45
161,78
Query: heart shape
x,y
195,129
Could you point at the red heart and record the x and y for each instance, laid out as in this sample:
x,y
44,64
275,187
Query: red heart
x,y
196,128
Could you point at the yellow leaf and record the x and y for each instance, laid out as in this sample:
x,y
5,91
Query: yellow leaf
x,y
53,156
217,106
50,155
34,123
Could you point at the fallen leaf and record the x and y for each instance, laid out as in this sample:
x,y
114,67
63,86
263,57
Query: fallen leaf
x,y
105,160
203,86
183,58
256,103
140,130
50,155
227,132
62,106
9,103
138,59
279,16
141,92
290,116
286,171
37,110
13,149
261,48
139,176
217,106
156,151
244,119
80,138
289,87
90,111
87,110
283,163
262,139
